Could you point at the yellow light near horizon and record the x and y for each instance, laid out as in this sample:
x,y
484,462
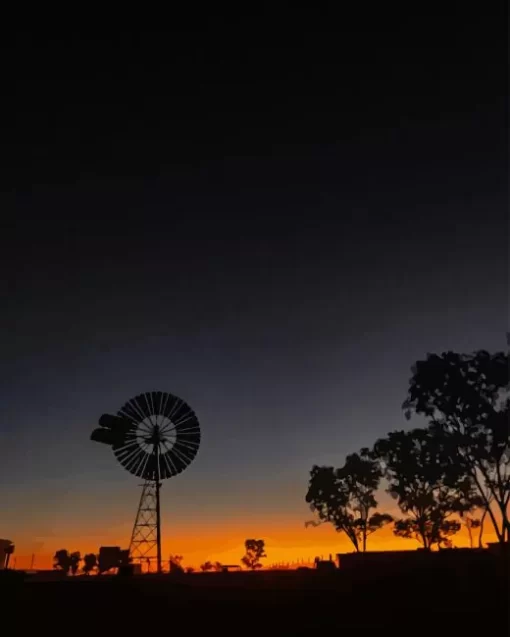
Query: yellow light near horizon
x,y
285,544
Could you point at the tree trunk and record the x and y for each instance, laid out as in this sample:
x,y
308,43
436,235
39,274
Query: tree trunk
x,y
470,531
486,499
505,521
423,532
500,534
507,526
480,536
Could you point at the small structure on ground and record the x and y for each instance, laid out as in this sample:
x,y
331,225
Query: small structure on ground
x,y
111,557
227,568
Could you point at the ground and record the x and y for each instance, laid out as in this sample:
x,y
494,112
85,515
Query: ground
x,y
434,601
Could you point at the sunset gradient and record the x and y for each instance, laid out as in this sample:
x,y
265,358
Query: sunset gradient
x,y
287,542
275,237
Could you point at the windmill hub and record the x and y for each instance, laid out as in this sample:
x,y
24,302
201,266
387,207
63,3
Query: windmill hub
x,y
155,436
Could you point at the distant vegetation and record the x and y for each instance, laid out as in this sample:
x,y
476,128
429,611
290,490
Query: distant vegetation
x,y
69,563
453,472
255,551
211,566
62,561
175,564
345,498
90,563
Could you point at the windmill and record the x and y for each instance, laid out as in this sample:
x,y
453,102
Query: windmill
x,y
155,436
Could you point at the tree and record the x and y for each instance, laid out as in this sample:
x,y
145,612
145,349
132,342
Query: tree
x,y
209,566
426,490
62,561
255,551
175,562
465,398
206,566
471,523
471,519
428,533
75,558
345,497
89,563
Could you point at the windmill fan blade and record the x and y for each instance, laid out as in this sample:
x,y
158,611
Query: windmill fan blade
x,y
133,463
154,435
171,404
190,438
129,412
150,472
143,405
177,463
157,401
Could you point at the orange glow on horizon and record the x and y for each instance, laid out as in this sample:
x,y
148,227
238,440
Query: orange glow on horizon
x,y
285,543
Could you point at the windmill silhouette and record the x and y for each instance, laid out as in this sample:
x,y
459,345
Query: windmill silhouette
x,y
155,436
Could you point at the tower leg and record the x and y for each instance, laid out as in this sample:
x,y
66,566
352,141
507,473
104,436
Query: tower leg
x,y
146,537
158,527
158,512
145,545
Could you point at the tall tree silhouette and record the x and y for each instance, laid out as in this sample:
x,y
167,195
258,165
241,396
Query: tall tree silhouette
x,y
255,551
465,398
175,564
345,497
89,563
428,492
471,523
75,559
62,561
206,566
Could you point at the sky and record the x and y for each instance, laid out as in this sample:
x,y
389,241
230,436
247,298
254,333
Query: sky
x,y
274,231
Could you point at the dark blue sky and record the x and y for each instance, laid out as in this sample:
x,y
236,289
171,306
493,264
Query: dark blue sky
x,y
275,240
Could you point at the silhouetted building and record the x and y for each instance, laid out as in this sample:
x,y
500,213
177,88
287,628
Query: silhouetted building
x,y
400,561
325,566
112,557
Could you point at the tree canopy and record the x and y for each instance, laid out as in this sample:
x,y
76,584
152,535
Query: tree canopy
x,y
89,563
206,566
75,559
62,561
255,551
427,490
465,398
345,497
